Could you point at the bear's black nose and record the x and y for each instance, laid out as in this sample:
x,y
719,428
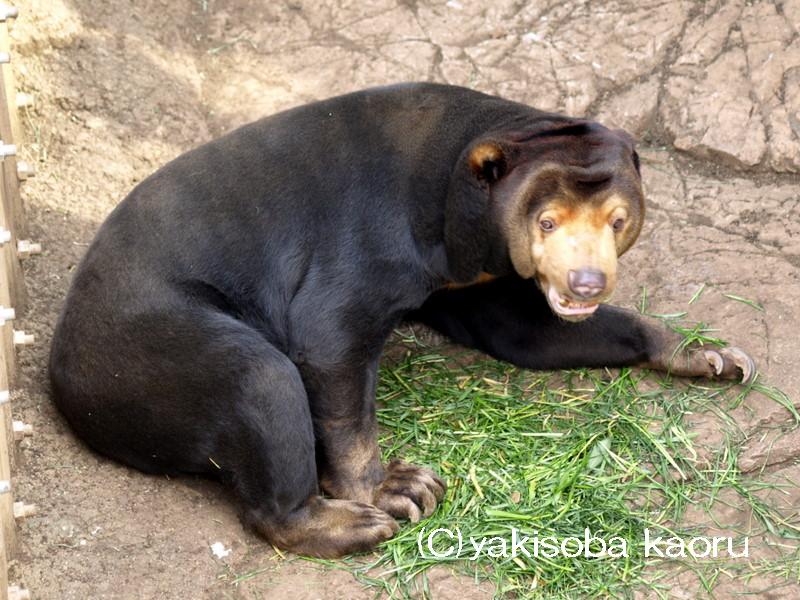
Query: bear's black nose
x,y
586,283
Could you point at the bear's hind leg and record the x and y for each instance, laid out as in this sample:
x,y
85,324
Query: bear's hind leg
x,y
197,391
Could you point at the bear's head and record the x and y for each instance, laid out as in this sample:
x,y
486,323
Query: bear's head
x,y
560,204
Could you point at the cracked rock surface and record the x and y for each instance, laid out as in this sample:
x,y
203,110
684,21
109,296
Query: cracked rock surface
x,y
711,89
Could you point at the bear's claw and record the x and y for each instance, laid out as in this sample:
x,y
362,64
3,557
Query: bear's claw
x,y
409,492
728,362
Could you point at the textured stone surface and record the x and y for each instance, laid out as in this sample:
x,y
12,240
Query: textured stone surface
x,y
723,78
732,93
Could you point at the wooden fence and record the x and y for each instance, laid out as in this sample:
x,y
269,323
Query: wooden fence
x,y
12,298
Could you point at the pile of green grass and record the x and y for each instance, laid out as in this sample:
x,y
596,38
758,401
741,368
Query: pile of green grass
x,y
555,453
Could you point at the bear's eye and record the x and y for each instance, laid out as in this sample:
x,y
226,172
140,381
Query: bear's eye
x,y
547,225
618,224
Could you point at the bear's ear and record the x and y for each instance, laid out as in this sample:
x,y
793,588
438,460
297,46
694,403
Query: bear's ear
x,y
466,230
487,161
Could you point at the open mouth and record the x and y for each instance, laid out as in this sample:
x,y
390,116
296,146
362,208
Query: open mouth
x,y
567,307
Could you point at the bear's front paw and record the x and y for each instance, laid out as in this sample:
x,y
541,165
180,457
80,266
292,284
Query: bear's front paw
x,y
409,492
730,363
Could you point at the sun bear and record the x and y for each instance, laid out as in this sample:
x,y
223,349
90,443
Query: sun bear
x,y
229,317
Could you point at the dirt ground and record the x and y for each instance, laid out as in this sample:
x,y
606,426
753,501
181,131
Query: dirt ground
x,y
712,89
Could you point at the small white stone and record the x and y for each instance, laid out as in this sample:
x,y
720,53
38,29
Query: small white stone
x,y
219,550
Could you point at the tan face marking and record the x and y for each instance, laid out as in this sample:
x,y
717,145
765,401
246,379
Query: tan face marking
x,y
568,236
